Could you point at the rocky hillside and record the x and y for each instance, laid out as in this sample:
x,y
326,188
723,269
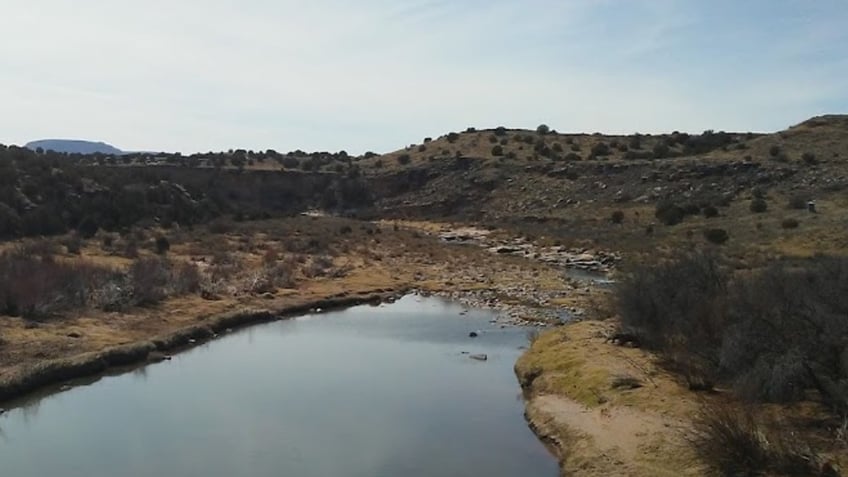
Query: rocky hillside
x,y
568,187
502,173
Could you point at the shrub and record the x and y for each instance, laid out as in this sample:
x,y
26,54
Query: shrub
x,y
773,335
37,287
453,137
600,149
404,159
162,245
107,241
42,248
774,151
617,217
732,442
758,206
185,278
88,227
10,221
73,244
149,278
710,212
497,150
809,158
318,267
500,131
131,249
716,236
647,307
661,150
797,202
669,213
543,129
790,224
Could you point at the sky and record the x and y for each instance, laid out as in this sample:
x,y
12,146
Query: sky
x,y
376,75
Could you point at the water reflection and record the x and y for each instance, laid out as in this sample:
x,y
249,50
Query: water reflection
x,y
370,391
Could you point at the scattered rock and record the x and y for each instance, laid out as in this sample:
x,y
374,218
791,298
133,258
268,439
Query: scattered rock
x,y
479,357
473,334
74,334
156,357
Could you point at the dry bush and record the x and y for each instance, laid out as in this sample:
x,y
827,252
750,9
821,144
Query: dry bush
x,y
672,304
114,295
107,241
774,334
758,206
790,224
34,287
185,278
131,248
787,332
716,236
733,441
270,257
73,244
318,267
43,248
798,202
149,277
225,266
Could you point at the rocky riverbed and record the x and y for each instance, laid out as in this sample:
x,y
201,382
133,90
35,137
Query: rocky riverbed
x,y
597,261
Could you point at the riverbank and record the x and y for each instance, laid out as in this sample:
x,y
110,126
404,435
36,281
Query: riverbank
x,y
36,353
606,409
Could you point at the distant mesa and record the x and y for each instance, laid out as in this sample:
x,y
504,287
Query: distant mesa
x,y
74,146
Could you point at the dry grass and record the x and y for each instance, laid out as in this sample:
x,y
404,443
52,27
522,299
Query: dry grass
x,y
734,441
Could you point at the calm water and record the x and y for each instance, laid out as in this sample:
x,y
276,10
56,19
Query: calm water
x,y
370,392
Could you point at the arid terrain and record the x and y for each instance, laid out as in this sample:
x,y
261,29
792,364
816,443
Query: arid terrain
x,y
109,261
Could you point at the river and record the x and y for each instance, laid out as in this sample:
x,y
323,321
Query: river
x,y
370,391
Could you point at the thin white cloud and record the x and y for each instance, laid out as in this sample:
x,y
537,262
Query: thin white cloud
x,y
377,74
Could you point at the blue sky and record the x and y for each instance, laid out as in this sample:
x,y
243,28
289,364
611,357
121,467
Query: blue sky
x,y
199,75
